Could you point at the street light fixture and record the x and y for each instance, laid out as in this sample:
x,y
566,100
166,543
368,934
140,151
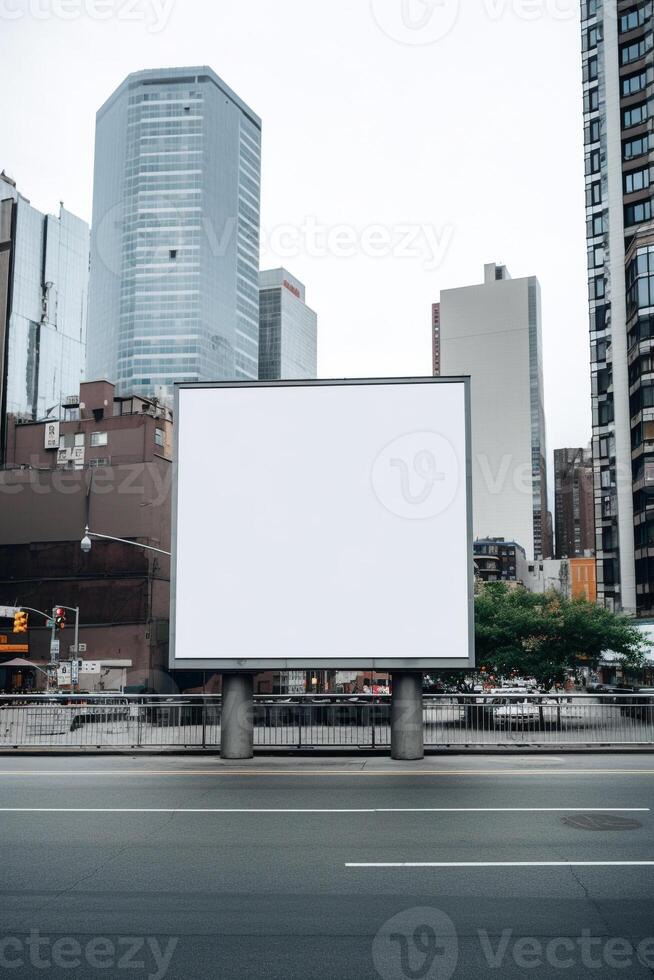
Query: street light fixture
x,y
86,543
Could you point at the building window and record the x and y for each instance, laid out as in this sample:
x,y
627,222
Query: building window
x,y
637,147
634,19
95,464
593,162
594,194
635,213
591,100
636,83
636,115
597,225
637,180
159,437
636,50
99,439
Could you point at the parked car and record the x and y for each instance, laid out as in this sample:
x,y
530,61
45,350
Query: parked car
x,y
514,713
640,705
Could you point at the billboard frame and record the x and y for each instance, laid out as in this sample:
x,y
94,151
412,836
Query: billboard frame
x,y
250,665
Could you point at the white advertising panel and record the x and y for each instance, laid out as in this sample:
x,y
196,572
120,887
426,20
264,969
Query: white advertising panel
x,y
322,524
51,437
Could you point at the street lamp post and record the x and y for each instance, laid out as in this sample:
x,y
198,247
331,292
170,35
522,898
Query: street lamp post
x,y
237,720
87,542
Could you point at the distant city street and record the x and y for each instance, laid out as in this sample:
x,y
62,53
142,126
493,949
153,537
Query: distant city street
x,y
448,868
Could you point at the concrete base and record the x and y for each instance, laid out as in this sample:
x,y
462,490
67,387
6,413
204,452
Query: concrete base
x,y
237,724
407,732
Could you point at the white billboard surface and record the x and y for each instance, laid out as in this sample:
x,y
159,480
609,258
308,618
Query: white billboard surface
x,y
322,524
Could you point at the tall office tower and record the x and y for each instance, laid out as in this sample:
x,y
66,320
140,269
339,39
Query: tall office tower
x,y
574,505
618,77
44,277
174,292
436,338
288,329
492,332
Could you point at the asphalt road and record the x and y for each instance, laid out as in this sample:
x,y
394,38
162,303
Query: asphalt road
x,y
454,867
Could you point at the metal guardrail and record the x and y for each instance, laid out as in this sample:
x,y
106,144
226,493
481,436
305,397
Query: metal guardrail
x,y
306,722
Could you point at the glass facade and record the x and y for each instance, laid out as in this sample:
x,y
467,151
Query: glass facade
x,y
43,322
288,329
618,79
175,245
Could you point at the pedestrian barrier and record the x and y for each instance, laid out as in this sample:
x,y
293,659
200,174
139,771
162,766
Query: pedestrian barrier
x,y
332,721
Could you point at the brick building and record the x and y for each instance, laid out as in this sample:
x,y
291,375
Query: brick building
x,y
107,461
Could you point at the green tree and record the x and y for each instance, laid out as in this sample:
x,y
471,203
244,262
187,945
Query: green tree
x,y
545,636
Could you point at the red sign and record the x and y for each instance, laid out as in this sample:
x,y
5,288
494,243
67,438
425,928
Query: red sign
x,y
292,289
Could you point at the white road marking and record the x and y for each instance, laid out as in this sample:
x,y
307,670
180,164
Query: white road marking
x,y
503,864
272,810
377,773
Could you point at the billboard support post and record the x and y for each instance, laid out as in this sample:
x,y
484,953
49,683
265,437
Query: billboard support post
x,y
407,733
237,719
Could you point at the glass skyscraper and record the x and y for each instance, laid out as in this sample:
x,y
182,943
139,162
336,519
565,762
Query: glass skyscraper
x,y
288,329
44,276
618,93
174,292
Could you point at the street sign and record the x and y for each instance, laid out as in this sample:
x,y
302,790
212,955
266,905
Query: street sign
x,y
90,667
8,612
63,674
8,644
54,649
74,671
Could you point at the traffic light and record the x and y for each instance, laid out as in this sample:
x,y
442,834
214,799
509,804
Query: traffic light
x,y
60,618
20,622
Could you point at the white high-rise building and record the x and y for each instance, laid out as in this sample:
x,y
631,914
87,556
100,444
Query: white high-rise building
x,y
288,329
492,332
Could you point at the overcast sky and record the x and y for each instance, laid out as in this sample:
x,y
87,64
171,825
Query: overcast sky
x,y
405,144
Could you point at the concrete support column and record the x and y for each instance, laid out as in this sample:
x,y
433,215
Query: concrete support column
x,y
407,733
237,723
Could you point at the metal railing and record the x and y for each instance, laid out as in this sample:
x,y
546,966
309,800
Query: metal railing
x,y
124,722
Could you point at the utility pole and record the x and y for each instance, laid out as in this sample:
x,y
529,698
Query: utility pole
x,y
54,650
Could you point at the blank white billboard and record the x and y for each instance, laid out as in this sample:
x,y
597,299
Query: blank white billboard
x,y
322,524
